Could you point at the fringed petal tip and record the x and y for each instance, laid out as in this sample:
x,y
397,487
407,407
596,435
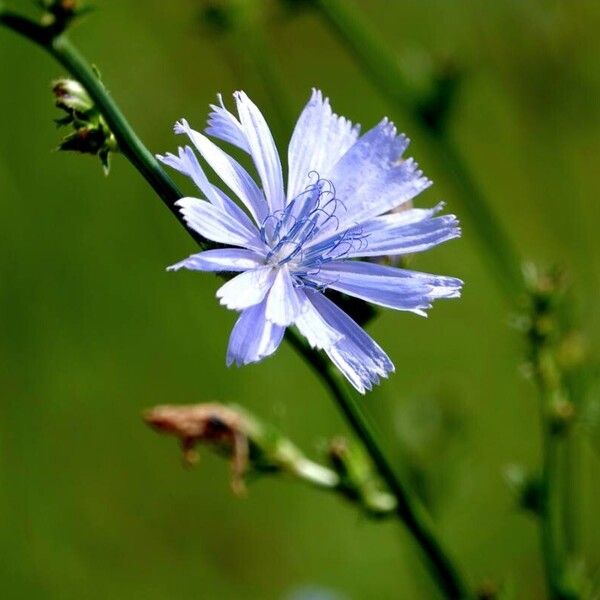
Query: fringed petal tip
x,y
181,127
175,267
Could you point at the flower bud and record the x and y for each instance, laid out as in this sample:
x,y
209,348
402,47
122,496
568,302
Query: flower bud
x,y
561,415
90,134
527,488
358,478
58,14
71,96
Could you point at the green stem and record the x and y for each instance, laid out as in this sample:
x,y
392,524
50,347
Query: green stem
x,y
571,479
551,515
381,67
569,494
550,535
502,258
409,510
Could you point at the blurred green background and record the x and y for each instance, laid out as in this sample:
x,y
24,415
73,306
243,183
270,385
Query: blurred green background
x,y
93,330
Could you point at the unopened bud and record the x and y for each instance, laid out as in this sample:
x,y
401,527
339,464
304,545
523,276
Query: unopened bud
x,y
71,96
90,133
573,351
58,14
358,479
526,487
562,414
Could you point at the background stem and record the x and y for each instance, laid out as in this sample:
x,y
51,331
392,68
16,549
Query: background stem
x,y
553,550
381,66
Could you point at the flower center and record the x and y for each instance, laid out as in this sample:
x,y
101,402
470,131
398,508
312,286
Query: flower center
x,y
289,232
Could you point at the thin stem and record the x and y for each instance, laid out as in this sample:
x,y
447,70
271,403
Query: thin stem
x,y
408,509
551,517
381,67
571,480
553,553
502,257
552,562
569,494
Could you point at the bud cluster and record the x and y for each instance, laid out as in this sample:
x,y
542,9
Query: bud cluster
x,y
89,132
58,14
557,352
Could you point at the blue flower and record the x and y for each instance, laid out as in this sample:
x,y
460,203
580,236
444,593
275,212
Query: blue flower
x,y
289,247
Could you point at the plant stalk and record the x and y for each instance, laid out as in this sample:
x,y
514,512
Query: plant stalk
x,y
380,65
408,509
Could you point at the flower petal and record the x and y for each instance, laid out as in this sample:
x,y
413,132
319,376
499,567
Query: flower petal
x,y
390,235
263,150
219,226
320,138
371,178
247,289
253,337
187,164
230,171
221,259
224,126
312,325
387,286
356,354
283,303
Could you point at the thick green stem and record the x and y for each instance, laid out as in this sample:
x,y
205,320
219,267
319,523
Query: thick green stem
x,y
409,511
380,65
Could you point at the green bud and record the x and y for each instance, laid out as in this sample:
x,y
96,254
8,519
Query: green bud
x,y
572,351
561,415
58,14
358,478
90,134
527,488
71,96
